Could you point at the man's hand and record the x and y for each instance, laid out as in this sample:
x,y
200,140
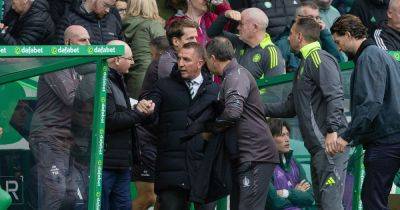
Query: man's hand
x,y
303,186
146,107
342,144
331,146
233,14
322,25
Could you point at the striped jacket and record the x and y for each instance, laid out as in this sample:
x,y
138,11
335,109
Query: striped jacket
x,y
317,98
387,38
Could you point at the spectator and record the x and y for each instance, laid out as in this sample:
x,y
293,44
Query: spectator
x,y
142,24
327,12
198,12
317,98
280,13
122,7
289,189
254,48
179,33
97,16
27,23
308,9
243,116
387,37
182,101
374,108
371,12
158,46
50,133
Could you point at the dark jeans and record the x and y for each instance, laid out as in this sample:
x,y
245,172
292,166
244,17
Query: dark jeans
x,y
250,185
116,193
381,162
178,199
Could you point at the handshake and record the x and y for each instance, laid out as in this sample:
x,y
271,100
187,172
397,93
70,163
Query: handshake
x,y
145,107
334,144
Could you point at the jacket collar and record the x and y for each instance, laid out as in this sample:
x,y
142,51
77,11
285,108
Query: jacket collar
x,y
364,45
307,49
266,41
288,156
230,67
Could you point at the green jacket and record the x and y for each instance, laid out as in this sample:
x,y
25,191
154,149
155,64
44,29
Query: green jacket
x,y
296,197
139,32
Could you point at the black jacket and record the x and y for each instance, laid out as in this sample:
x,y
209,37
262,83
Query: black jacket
x,y
179,148
371,12
281,14
387,38
120,121
375,99
33,28
101,31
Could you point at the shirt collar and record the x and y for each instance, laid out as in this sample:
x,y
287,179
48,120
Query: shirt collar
x,y
198,79
305,50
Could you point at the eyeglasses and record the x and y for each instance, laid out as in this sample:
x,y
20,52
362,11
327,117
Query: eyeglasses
x,y
128,58
317,18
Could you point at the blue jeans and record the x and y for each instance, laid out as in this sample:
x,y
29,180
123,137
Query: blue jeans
x,y
116,193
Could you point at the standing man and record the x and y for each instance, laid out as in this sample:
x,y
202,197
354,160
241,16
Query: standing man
x,y
375,110
183,101
243,112
317,99
179,33
98,17
50,135
254,48
387,37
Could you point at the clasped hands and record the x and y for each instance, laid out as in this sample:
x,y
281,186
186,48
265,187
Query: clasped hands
x,y
334,144
145,107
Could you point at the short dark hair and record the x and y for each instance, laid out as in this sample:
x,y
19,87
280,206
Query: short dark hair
x,y
276,125
308,4
160,43
198,48
221,48
176,28
309,28
352,24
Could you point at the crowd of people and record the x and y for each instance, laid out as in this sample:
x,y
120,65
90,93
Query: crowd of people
x,y
184,117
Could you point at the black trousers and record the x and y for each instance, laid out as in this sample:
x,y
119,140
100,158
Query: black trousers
x,y
250,185
381,162
178,199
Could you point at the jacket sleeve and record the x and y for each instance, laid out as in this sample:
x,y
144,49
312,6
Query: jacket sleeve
x,y
369,92
220,9
155,95
329,81
274,201
329,45
120,120
300,198
64,85
236,91
32,32
59,35
217,29
281,109
275,64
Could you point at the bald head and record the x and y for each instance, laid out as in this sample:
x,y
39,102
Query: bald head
x,y
76,35
393,14
255,16
127,49
121,63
